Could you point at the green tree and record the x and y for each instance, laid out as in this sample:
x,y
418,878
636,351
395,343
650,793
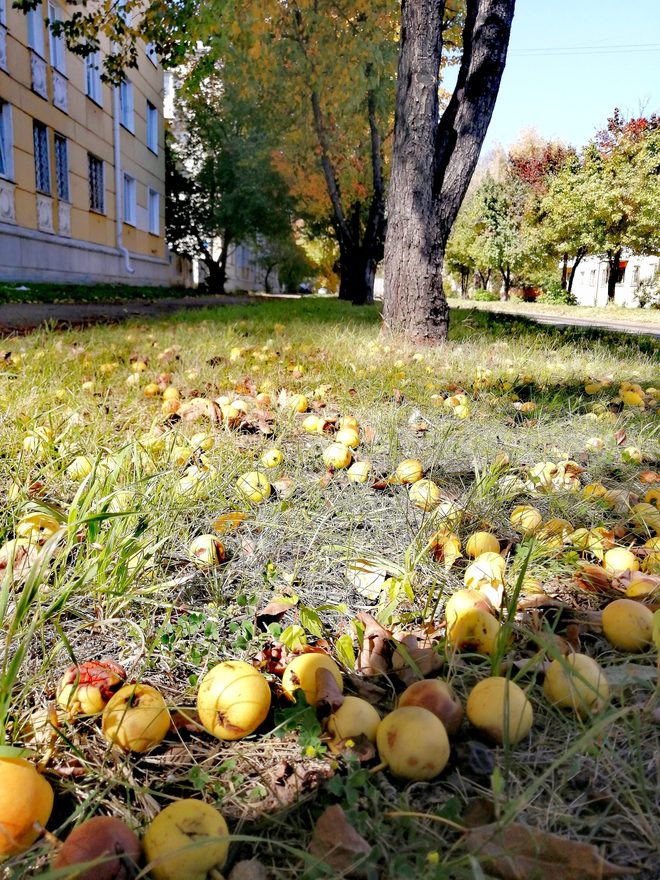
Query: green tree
x,y
222,185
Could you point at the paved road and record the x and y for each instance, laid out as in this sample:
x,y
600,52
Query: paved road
x,y
19,317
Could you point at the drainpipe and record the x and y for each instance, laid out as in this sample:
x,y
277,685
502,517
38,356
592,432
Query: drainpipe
x,y
118,184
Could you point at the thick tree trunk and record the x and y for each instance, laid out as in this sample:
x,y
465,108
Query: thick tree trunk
x,y
613,260
217,270
433,161
357,272
506,284
465,281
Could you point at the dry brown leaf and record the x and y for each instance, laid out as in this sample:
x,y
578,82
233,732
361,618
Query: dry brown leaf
x,y
328,695
228,522
376,653
649,477
518,852
337,843
620,436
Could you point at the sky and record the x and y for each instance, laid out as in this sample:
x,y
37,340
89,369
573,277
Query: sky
x,y
570,62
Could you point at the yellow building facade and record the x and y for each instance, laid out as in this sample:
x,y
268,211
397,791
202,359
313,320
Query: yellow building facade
x,y
82,164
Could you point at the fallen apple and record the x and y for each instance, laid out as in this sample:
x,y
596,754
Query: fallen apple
x,y
358,472
628,625
105,840
207,550
186,841
500,709
355,717
254,487
136,718
271,458
413,743
525,519
86,688
425,494
482,542
349,437
618,560
439,698
300,673
26,798
475,630
576,682
337,456
409,471
233,700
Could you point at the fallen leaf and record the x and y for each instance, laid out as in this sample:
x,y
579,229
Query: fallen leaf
x,y
367,576
228,522
376,653
620,437
518,852
649,477
328,695
274,611
337,843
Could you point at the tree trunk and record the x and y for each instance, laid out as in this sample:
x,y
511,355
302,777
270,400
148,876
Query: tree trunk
x,y
357,272
578,259
613,260
564,271
269,269
433,159
217,270
506,284
465,280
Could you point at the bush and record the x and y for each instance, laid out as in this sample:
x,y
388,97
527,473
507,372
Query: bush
x,y
485,296
553,292
648,293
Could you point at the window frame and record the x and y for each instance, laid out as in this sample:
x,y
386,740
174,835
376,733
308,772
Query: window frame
x,y
129,199
56,45
127,105
150,52
62,184
35,29
93,84
153,128
7,139
42,163
94,184
153,197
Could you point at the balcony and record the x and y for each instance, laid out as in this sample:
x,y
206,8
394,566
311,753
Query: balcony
x,y
39,78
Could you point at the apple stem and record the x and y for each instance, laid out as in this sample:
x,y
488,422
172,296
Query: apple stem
x,y
379,767
405,814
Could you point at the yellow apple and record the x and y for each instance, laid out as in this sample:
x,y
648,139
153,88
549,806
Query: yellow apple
x,y
233,700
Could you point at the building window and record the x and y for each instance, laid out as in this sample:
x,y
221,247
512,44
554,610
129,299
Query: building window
x,y
93,77
6,141
41,158
126,105
62,168
3,13
592,277
154,211
634,281
150,50
96,184
152,127
35,23
57,47
129,199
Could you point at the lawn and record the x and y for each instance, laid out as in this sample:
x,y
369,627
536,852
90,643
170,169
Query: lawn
x,y
35,292
613,314
106,486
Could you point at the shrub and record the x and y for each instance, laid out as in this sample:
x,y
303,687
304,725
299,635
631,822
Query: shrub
x,y
648,293
485,296
553,292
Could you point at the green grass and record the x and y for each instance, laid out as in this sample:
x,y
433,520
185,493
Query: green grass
x,y
117,581
611,313
35,292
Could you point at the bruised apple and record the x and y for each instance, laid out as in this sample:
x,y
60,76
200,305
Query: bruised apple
x,y
26,798
301,674
207,550
85,688
500,709
476,630
462,601
188,839
136,719
425,494
409,471
102,838
233,700
413,743
439,698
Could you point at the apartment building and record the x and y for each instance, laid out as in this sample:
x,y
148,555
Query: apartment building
x,y
82,166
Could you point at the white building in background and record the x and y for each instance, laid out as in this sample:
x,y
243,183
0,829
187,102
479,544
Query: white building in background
x,y
590,282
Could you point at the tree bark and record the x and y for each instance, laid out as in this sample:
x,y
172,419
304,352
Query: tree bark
x,y
465,281
506,284
357,272
579,256
564,271
613,260
433,159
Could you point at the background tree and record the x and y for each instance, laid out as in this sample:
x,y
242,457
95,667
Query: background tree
x,y
434,156
222,186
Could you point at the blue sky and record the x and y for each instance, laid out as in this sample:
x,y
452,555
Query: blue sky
x,y
571,62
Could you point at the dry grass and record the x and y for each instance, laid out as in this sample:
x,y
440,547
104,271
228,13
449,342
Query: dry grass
x,y
166,621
